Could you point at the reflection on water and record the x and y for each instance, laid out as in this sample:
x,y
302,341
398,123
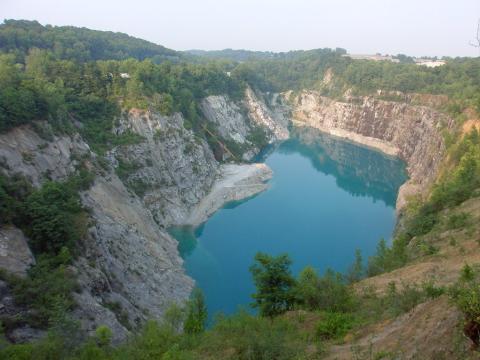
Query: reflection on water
x,y
327,197
359,170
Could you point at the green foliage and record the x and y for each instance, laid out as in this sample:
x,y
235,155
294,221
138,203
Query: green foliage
x,y
125,169
47,289
431,291
328,293
13,192
51,216
152,342
196,313
103,335
465,294
90,95
388,258
80,44
453,189
52,213
174,317
467,273
256,337
356,271
457,221
402,301
19,102
334,325
120,313
274,281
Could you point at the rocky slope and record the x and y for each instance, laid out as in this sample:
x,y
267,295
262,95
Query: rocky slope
x,y
128,260
412,132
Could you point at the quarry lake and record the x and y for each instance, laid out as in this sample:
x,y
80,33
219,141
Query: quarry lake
x,y
327,198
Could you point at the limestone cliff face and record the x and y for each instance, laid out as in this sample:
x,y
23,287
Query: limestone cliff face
x,y
409,131
263,113
127,260
227,117
172,169
237,122
24,151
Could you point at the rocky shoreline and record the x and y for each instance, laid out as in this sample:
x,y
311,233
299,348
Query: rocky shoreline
x,y
236,182
411,132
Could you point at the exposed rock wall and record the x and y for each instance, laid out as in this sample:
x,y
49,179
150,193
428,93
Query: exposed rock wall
x,y
173,168
128,261
228,118
238,122
15,254
272,118
24,151
409,131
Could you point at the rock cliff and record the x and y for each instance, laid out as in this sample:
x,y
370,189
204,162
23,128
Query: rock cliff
x,y
412,132
170,168
130,268
241,122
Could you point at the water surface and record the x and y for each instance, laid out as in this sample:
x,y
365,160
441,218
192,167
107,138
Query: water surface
x,y
327,198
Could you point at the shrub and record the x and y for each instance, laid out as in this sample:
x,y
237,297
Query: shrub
x,y
103,335
402,301
328,293
356,271
253,337
466,296
13,191
457,221
334,325
52,213
47,289
196,313
387,259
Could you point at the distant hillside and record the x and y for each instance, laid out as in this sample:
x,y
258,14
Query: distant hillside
x,y
81,44
235,55
248,55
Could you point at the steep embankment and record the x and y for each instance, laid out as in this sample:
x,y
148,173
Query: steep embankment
x,y
412,132
127,259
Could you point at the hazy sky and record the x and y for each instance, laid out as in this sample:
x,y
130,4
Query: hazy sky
x,y
414,27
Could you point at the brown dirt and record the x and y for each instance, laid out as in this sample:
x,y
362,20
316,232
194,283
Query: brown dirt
x,y
429,331
432,330
470,124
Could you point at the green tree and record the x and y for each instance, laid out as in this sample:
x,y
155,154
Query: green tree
x,y
196,313
306,288
355,271
274,282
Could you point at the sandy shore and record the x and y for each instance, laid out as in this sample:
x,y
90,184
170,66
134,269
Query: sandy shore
x,y
236,182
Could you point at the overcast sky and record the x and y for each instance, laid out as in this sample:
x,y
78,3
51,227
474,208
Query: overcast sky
x,y
413,27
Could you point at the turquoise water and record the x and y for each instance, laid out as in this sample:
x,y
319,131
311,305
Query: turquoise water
x,y
327,198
